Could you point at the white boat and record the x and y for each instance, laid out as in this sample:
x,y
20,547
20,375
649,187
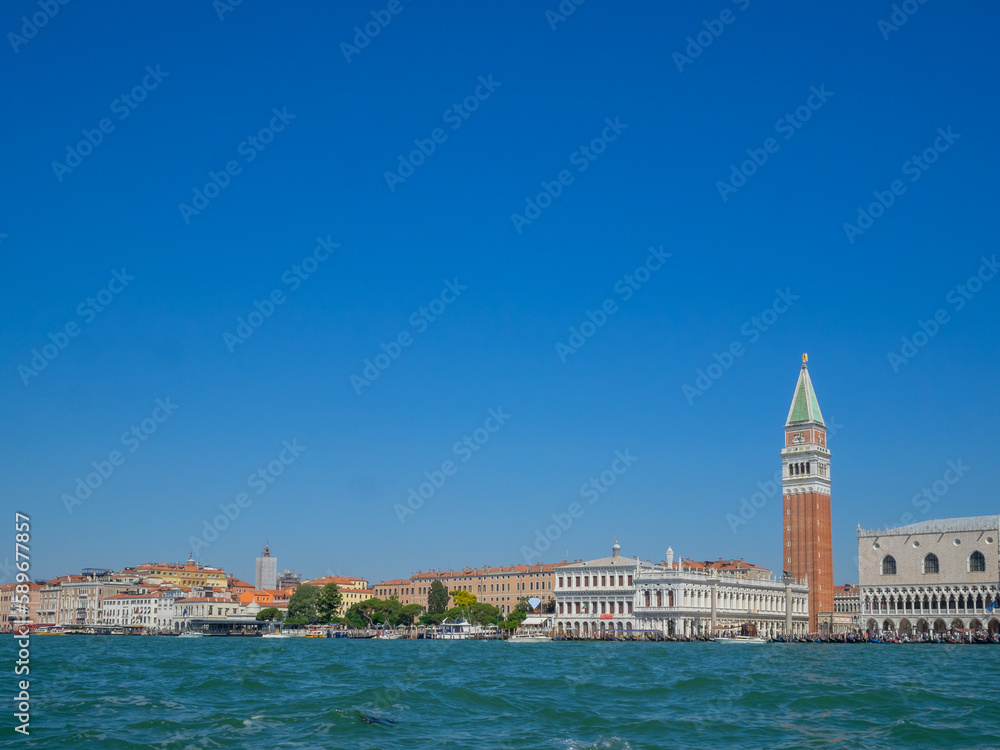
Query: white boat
x,y
741,639
276,635
388,635
453,631
191,634
517,638
534,629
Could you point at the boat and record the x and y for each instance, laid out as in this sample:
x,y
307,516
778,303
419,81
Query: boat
x,y
314,633
524,638
459,630
741,639
191,634
276,635
534,629
388,635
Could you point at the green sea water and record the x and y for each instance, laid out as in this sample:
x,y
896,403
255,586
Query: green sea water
x,y
131,692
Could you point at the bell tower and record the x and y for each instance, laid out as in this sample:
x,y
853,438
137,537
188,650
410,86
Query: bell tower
x,y
807,541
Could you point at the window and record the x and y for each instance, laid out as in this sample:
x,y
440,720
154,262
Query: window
x,y
630,580
977,563
888,565
621,580
604,580
560,581
931,564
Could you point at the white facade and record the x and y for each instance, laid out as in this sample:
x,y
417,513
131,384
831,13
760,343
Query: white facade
x,y
153,610
931,577
625,594
207,608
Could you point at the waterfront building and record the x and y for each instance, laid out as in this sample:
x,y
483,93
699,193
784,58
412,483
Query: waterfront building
x,y
807,532
931,577
679,599
152,610
352,590
12,611
267,571
500,586
78,599
846,615
206,608
190,573
237,587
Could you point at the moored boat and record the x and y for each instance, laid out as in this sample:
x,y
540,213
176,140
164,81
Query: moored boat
x,y
741,639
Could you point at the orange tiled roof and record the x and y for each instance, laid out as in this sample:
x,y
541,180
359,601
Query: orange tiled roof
x,y
339,580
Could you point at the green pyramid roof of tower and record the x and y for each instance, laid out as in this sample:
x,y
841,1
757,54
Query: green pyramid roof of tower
x,y
805,406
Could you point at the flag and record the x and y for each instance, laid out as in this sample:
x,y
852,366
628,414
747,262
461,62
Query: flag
x,y
991,606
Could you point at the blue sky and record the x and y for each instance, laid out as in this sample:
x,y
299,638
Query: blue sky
x,y
310,212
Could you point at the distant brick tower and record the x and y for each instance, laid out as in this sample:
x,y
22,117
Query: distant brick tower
x,y
807,548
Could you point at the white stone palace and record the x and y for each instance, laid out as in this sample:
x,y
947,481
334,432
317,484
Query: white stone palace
x,y
931,577
683,598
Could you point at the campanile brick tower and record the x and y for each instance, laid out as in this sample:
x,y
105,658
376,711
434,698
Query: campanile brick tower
x,y
807,544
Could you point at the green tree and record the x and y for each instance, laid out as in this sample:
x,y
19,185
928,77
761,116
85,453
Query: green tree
x,y
482,613
303,603
464,599
328,603
514,619
409,613
437,598
354,618
429,618
271,613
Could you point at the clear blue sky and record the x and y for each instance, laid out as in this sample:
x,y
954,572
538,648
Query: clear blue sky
x,y
652,180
